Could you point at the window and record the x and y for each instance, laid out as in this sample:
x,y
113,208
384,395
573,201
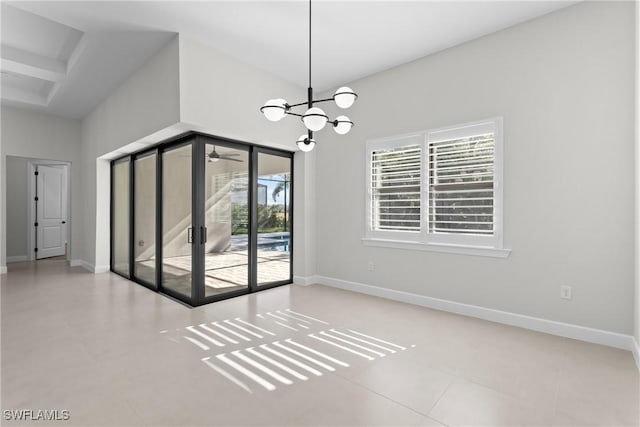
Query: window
x,y
436,189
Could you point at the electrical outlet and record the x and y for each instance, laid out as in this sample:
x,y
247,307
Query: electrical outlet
x,y
371,266
565,292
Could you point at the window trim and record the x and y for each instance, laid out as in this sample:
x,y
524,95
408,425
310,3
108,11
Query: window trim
x,y
424,240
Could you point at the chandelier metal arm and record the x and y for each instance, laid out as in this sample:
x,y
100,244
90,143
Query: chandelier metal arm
x,y
322,100
289,113
298,104
307,103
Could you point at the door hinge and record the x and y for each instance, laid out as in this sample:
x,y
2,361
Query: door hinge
x,y
36,173
35,198
36,224
35,250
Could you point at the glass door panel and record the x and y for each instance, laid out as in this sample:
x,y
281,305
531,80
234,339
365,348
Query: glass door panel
x,y
274,219
177,231
144,241
226,220
120,222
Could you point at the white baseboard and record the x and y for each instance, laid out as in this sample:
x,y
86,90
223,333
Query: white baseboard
x,y
88,266
81,263
636,352
305,281
98,269
19,258
76,263
596,336
3,269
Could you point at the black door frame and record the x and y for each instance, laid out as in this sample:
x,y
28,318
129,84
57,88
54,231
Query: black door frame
x,y
198,143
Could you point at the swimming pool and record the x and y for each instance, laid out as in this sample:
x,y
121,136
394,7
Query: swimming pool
x,y
274,241
279,241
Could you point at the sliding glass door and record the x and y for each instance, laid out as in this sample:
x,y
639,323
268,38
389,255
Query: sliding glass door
x,y
274,218
201,218
177,229
226,220
144,222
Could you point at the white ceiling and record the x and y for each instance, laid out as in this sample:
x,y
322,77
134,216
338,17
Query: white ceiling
x,y
351,39
59,69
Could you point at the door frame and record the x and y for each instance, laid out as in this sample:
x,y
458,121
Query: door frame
x,y
32,164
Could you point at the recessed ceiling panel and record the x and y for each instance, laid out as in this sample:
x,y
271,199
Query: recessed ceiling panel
x,y
35,34
22,82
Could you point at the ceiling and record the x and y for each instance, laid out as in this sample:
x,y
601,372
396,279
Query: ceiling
x,y
64,57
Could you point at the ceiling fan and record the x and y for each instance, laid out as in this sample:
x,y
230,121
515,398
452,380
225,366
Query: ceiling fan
x,y
213,156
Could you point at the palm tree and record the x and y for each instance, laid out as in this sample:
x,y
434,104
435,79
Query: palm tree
x,y
280,186
277,190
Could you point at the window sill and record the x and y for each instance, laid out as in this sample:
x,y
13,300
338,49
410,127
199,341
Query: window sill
x,y
437,247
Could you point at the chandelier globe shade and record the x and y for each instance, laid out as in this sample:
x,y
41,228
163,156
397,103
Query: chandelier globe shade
x,y
305,144
342,125
315,119
274,109
344,97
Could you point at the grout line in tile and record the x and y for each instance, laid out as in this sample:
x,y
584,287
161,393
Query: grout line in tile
x,y
439,399
378,394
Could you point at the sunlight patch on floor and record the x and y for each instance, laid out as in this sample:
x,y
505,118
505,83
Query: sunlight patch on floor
x,y
286,360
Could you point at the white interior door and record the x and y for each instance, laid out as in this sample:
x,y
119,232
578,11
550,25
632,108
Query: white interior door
x,y
51,232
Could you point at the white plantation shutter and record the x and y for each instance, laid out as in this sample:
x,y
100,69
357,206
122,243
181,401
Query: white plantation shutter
x,y
461,178
440,187
396,189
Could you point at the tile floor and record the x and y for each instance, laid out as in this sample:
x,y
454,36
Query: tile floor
x,y
114,353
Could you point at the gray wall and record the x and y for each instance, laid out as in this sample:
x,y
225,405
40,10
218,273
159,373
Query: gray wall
x,y
42,136
223,96
564,84
17,193
147,102
637,211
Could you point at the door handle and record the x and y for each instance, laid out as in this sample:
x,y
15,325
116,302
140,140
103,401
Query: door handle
x,y
190,235
64,222
203,235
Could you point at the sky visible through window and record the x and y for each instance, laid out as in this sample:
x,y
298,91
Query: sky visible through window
x,y
272,182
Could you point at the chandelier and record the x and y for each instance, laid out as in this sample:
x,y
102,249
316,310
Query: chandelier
x,y
314,118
